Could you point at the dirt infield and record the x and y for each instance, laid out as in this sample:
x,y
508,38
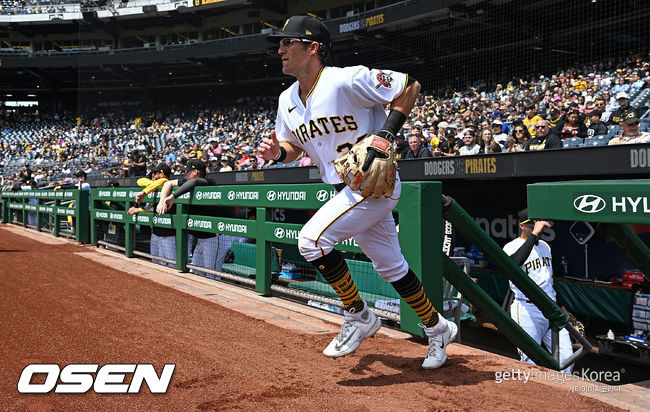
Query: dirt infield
x,y
59,305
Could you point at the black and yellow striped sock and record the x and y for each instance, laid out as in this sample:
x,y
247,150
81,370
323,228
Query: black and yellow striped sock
x,y
336,272
410,289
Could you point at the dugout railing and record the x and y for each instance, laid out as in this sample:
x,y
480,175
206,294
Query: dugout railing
x,y
62,213
417,214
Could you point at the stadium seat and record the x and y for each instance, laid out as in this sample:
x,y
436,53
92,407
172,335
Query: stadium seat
x,y
576,141
595,142
571,142
613,129
643,126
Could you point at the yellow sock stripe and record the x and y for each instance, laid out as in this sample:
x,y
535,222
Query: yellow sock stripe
x,y
346,289
421,305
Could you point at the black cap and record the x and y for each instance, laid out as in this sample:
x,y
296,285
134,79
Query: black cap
x,y
162,167
523,217
194,164
595,113
303,27
630,118
80,173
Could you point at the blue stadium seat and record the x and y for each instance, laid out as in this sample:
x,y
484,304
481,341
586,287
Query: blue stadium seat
x,y
595,142
575,141
613,129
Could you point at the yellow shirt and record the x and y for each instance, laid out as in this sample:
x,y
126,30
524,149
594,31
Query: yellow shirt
x,y
151,185
530,123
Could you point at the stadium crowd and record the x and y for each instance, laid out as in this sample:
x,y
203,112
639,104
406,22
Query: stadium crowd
x,y
599,104
48,6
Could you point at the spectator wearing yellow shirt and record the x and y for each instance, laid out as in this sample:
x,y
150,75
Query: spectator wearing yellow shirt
x,y
580,84
163,240
531,118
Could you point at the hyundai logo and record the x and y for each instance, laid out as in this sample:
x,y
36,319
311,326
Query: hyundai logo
x,y
221,226
231,195
322,195
190,223
270,196
199,195
589,203
279,232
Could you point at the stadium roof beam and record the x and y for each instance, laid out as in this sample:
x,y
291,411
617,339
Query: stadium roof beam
x,y
47,77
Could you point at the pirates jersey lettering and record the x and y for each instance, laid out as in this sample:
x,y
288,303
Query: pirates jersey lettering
x,y
538,266
314,131
344,104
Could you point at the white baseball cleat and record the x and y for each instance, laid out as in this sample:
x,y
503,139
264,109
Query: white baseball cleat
x,y
356,327
440,336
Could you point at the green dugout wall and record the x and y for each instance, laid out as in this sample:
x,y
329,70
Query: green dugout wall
x,y
612,204
45,203
419,212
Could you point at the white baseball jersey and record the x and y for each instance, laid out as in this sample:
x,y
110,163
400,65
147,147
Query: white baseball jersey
x,y
538,266
344,106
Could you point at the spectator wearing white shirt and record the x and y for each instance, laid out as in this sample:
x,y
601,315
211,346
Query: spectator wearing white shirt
x,y
470,147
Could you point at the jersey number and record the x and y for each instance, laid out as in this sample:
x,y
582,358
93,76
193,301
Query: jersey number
x,y
349,145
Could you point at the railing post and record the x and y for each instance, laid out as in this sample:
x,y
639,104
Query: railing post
x,y
179,220
56,221
5,209
24,201
420,234
94,235
39,215
81,214
263,253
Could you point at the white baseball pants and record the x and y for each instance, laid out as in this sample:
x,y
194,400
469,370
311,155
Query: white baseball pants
x,y
531,319
368,220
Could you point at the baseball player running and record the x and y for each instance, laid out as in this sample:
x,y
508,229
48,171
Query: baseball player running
x,y
337,117
534,257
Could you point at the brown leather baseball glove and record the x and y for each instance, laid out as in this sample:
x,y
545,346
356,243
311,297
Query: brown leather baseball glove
x,y
369,167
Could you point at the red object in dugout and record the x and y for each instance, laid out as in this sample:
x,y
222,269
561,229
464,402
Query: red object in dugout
x,y
630,277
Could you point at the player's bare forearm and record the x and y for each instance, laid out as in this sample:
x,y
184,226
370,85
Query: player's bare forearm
x,y
165,192
292,152
405,102
272,149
